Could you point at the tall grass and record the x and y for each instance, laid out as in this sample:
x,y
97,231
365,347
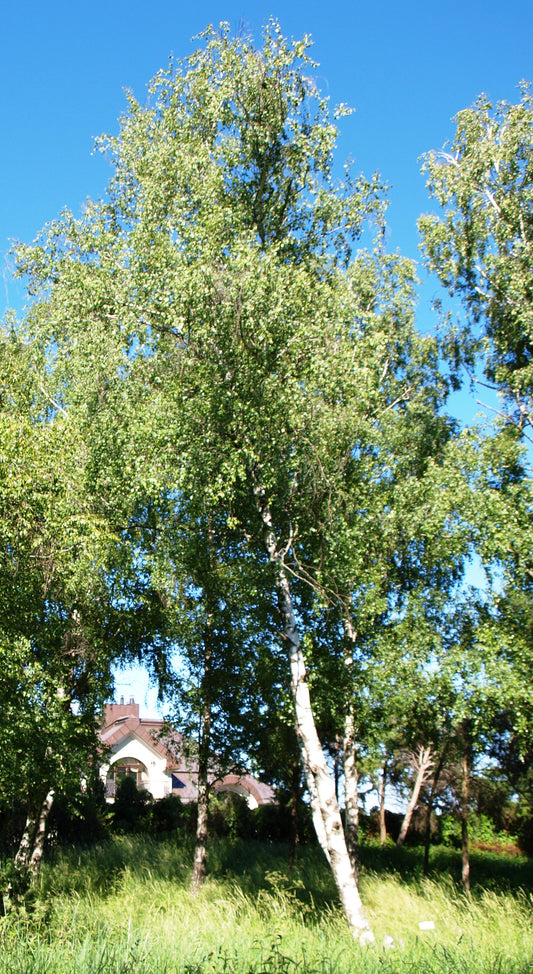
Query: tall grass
x,y
125,907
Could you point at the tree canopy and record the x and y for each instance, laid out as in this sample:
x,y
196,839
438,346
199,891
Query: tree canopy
x,y
256,430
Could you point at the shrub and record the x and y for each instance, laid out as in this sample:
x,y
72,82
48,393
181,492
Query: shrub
x,y
481,831
169,814
273,823
132,807
229,814
82,818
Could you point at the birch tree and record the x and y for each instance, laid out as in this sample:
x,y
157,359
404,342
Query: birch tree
x,y
220,336
62,620
481,242
54,673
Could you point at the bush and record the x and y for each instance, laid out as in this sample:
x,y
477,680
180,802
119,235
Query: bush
x,y
132,807
230,815
481,831
82,818
273,823
169,814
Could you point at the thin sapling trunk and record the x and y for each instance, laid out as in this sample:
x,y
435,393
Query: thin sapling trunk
x,y
422,762
202,823
313,757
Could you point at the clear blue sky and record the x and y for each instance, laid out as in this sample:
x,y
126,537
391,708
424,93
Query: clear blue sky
x,y
406,68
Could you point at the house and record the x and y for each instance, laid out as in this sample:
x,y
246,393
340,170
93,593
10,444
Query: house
x,y
137,748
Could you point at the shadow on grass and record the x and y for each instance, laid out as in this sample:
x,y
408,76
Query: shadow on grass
x,y
252,866
489,870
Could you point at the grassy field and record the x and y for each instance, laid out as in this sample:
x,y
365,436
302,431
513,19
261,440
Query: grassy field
x,y
124,907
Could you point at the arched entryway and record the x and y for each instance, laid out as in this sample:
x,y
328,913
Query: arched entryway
x,y
242,787
125,768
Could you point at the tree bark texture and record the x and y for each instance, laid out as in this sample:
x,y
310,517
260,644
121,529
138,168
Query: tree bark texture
x,y
382,821
27,861
316,767
351,775
327,816
351,791
202,823
40,835
294,836
422,763
429,809
465,796
316,809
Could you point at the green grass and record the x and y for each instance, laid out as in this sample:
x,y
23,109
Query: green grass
x,y
124,907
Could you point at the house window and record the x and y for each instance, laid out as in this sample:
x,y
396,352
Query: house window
x,y
128,768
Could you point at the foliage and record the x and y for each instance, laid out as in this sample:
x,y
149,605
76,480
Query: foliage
x,y
247,405
131,808
128,902
480,831
482,246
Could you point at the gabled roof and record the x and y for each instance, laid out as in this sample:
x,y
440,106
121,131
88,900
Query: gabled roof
x,y
122,720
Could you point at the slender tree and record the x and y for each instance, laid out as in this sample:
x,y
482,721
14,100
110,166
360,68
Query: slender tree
x,y
219,338
481,244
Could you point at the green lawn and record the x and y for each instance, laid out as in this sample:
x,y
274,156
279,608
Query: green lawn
x,y
124,906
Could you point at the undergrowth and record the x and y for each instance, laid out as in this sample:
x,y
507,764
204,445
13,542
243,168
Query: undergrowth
x,y
124,907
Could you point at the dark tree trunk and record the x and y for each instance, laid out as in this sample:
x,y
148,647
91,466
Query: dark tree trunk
x,y
294,830
202,823
337,767
382,822
429,809
465,797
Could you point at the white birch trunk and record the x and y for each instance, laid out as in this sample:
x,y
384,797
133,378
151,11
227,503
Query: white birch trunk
x,y
25,848
351,776
316,811
40,834
312,754
423,764
351,791
30,851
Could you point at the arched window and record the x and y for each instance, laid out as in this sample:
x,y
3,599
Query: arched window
x,y
125,768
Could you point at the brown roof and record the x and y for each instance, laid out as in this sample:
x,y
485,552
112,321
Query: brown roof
x,y
121,719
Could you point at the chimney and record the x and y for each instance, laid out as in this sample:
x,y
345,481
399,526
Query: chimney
x,y
118,711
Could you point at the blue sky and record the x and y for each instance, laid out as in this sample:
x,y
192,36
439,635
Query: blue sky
x,y
406,69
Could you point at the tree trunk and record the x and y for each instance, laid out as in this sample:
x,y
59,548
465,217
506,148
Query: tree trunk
x,y
465,796
25,848
202,831
351,792
294,836
316,809
202,823
422,763
336,766
30,851
316,766
431,798
351,776
313,757
382,821
40,835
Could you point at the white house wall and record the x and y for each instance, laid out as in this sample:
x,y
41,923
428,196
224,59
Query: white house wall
x,y
158,782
